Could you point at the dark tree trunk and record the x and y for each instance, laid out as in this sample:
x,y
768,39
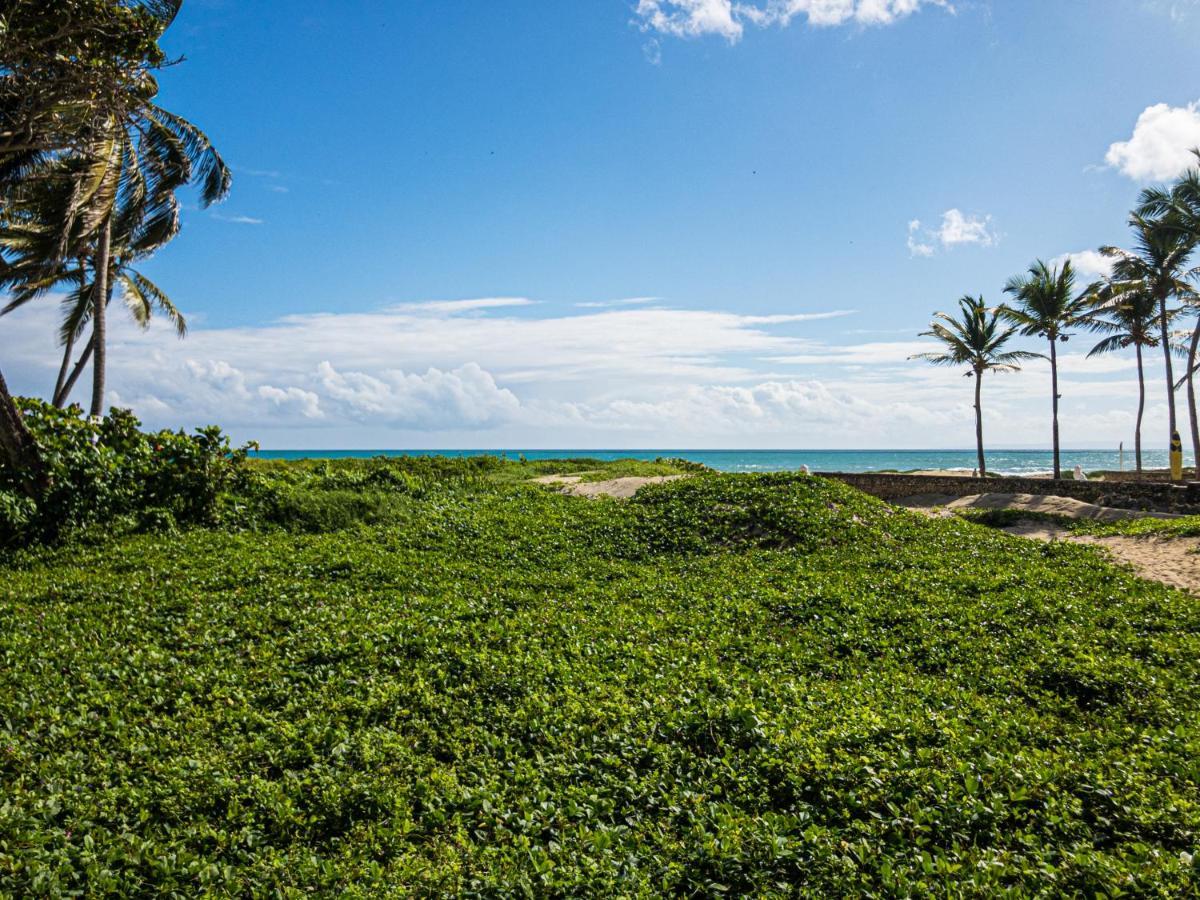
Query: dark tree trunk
x,y
1054,389
1137,430
20,450
979,423
1191,396
1166,345
99,325
60,399
68,352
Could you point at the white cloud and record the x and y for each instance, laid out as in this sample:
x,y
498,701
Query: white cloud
x,y
627,376
307,402
962,229
957,229
727,18
236,220
608,304
918,245
456,306
465,397
1161,144
1089,265
689,18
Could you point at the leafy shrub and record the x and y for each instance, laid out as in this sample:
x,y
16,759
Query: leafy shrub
x,y
106,469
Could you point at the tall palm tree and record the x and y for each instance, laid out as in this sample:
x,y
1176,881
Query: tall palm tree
x,y
136,235
1127,313
976,340
64,67
1158,263
123,184
1177,208
1047,307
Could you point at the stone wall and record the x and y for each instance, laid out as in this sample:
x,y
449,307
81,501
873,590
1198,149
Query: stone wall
x,y
1162,497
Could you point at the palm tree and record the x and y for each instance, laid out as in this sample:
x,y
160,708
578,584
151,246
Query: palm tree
x,y
137,234
1158,264
1127,314
1178,208
975,340
64,67
1047,308
124,185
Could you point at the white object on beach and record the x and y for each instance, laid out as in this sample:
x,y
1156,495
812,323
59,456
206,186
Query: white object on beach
x,y
806,470
1079,476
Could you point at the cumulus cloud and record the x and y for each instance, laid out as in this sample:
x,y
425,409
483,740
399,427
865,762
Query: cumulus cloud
x,y
1088,264
624,376
956,229
728,18
1161,145
306,402
464,397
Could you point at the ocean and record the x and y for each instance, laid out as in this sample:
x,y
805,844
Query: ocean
x,y
1006,462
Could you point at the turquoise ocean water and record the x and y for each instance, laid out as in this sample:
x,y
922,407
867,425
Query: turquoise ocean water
x,y
1007,462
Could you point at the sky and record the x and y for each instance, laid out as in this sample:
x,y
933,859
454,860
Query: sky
x,y
642,223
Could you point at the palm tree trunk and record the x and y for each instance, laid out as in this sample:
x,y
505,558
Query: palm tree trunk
x,y
20,450
68,352
979,423
1191,395
1166,345
99,330
1137,429
60,399
1054,388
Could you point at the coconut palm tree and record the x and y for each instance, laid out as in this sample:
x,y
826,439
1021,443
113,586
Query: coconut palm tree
x,y
138,232
65,68
1127,314
975,340
1047,307
1158,263
83,205
1178,208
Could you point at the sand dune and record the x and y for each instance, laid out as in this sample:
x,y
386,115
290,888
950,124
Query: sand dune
x,y
621,488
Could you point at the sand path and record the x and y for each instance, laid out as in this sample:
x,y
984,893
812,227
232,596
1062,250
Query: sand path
x,y
1173,561
621,488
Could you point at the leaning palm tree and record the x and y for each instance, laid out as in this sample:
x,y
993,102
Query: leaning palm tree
x,y
125,182
1127,314
975,340
1158,263
1047,307
137,233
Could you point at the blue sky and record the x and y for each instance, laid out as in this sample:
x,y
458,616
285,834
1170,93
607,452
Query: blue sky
x,y
697,221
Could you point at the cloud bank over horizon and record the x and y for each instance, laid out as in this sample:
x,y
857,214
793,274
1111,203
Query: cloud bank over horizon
x,y
486,373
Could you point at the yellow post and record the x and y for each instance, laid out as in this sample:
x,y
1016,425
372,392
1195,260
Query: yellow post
x,y
1176,457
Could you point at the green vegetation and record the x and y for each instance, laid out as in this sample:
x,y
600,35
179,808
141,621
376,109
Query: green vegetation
x,y
450,681
107,474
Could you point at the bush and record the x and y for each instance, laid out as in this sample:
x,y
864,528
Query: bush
x,y
107,469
